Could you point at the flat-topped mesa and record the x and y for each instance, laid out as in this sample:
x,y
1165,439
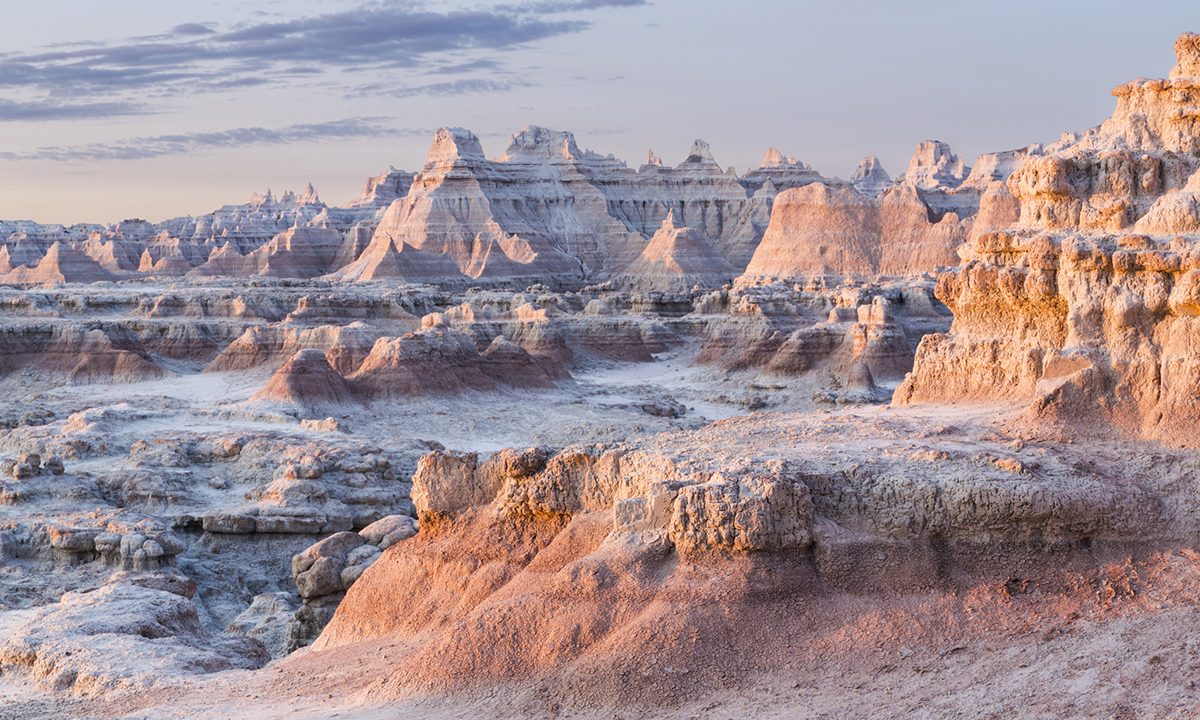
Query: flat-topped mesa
x,y
934,166
534,143
450,144
781,172
1086,307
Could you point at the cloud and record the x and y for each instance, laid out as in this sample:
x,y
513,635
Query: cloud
x,y
142,148
561,6
469,66
30,110
466,86
193,28
401,35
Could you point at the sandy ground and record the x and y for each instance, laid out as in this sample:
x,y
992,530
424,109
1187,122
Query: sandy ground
x,y
1046,657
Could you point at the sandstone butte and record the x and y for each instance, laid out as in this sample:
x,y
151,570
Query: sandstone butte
x,y
549,436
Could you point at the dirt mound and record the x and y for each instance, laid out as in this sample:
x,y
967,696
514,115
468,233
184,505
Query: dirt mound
x,y
307,379
675,260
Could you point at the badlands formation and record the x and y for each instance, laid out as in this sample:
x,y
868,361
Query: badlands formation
x,y
548,436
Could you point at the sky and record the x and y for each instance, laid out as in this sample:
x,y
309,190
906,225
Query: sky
x,y
143,108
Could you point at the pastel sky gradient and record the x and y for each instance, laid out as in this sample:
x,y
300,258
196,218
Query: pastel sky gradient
x,y
145,108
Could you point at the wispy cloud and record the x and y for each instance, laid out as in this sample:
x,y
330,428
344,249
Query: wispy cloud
x,y
469,66
141,148
562,6
464,86
370,37
29,110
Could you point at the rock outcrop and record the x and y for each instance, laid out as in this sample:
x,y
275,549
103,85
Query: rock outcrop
x,y
308,380
60,264
676,260
789,332
545,211
85,641
536,563
1084,308
869,178
824,230
440,360
324,571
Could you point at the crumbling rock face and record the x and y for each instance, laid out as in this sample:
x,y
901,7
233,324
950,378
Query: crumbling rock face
x,y
107,353
744,514
1083,308
60,264
676,260
822,230
792,331
344,346
306,489
546,211
552,565
441,360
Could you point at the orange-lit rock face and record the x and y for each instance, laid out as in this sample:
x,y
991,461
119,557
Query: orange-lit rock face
x,y
1098,275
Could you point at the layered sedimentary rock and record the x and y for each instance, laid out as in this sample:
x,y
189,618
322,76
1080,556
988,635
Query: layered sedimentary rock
x,y
440,360
675,260
60,264
823,230
79,353
306,379
545,211
935,166
873,226
294,235
567,566
532,215
869,178
829,330
1085,306
298,252
473,217
382,190
344,346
